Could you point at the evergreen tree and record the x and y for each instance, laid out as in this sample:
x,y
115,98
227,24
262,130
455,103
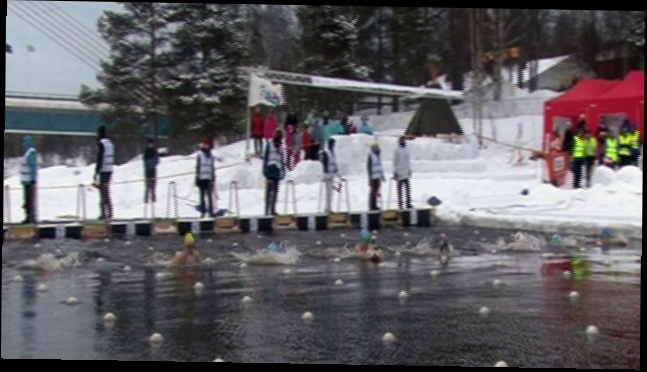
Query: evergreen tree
x,y
327,46
131,77
205,91
329,42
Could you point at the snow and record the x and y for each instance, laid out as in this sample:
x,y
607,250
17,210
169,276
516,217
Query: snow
x,y
479,187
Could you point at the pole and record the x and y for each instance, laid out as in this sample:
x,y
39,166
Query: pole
x,y
248,119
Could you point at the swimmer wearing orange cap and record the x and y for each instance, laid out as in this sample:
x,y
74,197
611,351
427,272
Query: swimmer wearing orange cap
x,y
190,256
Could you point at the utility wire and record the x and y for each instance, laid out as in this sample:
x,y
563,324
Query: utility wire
x,y
78,53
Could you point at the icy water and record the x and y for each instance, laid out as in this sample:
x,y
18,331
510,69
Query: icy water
x,y
250,308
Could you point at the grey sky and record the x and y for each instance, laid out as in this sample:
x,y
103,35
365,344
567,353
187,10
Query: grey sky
x,y
50,68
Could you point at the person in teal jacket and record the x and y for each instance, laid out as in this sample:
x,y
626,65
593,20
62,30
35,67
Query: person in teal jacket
x,y
28,178
365,127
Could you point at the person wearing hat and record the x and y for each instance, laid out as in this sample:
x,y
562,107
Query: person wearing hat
x,y
364,246
103,173
402,173
151,160
189,256
375,175
205,177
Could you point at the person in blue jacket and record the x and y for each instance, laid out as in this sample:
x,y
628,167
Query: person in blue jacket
x,y
365,127
28,178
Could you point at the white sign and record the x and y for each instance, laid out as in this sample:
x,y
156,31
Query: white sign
x,y
263,92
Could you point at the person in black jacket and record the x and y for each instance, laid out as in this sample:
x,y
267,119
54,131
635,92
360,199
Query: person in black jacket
x,y
151,160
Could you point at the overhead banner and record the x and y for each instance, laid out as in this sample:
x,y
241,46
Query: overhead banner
x,y
263,92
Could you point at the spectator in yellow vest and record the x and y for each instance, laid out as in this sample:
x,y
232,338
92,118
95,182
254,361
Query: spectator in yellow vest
x,y
636,144
590,154
625,140
611,149
578,157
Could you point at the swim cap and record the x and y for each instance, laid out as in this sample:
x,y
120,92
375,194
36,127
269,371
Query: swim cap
x,y
188,239
365,236
556,239
273,248
606,232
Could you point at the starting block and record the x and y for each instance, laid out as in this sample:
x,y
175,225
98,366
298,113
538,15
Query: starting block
x,y
389,218
339,220
21,232
163,227
285,222
96,230
227,225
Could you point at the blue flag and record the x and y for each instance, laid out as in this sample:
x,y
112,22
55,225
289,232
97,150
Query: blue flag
x,y
9,49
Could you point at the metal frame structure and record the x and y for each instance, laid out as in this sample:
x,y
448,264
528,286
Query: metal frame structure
x,y
305,80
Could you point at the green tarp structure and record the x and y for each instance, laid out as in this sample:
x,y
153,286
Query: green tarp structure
x,y
434,116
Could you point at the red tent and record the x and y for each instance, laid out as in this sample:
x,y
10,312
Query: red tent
x,y
626,98
575,102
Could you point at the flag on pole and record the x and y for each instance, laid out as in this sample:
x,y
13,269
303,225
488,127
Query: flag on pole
x,y
262,91
9,49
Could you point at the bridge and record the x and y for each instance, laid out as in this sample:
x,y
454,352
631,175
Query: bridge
x,y
32,113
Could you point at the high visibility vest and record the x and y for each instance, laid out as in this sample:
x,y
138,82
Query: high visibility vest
x,y
590,147
635,140
376,167
25,171
625,140
578,147
205,169
611,149
108,161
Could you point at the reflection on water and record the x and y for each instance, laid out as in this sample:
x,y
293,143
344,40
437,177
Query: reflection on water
x,y
534,322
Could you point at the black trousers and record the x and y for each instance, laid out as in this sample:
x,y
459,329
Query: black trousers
x,y
149,193
625,160
577,166
29,193
258,145
404,194
105,201
314,151
589,163
374,186
205,190
271,196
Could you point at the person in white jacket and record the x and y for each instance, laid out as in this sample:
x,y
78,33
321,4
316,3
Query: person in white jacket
x,y
402,173
330,169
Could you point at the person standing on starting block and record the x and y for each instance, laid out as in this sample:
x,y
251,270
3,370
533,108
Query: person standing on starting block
x,y
375,176
402,173
330,170
189,256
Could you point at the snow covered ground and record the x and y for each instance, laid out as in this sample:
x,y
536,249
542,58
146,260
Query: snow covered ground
x,y
480,187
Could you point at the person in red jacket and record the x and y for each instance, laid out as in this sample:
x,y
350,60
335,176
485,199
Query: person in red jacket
x,y
269,127
257,131
306,144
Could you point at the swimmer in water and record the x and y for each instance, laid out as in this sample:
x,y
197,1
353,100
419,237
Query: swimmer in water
x,y
190,256
365,246
443,244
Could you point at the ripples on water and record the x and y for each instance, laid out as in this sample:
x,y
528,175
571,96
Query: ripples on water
x,y
255,314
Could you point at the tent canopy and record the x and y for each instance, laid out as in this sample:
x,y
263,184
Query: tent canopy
x,y
576,101
434,116
626,98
